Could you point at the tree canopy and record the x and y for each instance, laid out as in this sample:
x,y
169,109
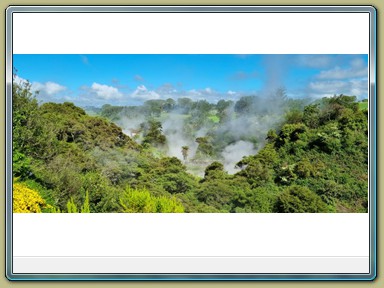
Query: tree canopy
x,y
314,159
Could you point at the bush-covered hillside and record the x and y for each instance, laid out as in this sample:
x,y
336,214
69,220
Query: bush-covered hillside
x,y
313,160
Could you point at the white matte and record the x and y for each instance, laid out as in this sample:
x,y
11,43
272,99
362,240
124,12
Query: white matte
x,y
197,234
191,33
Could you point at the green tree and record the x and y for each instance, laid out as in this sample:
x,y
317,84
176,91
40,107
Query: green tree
x,y
184,104
153,133
168,205
297,199
245,104
184,151
311,115
30,136
256,172
204,148
167,176
200,108
215,170
294,116
154,107
222,105
169,105
271,135
111,112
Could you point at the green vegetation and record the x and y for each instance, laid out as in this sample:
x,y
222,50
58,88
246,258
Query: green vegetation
x,y
313,160
135,201
363,104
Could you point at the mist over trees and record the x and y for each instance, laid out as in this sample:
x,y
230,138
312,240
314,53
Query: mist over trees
x,y
264,154
224,131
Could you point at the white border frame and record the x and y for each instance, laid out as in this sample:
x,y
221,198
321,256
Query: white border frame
x,y
193,9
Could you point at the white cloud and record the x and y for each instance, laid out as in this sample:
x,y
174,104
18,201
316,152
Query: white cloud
x,y
37,86
105,92
327,86
359,87
353,87
142,88
357,69
194,92
351,80
230,92
18,80
339,73
48,91
53,88
143,93
48,88
208,90
201,93
167,90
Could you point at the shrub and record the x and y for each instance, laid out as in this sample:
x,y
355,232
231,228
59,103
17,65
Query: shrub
x,y
26,200
141,201
297,199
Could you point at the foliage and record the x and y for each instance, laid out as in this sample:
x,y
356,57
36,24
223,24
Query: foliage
x,y
152,132
184,151
167,176
21,164
244,105
316,160
71,206
86,208
26,200
296,199
326,151
30,136
141,201
205,147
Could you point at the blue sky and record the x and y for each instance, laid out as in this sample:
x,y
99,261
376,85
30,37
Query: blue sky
x,y
131,79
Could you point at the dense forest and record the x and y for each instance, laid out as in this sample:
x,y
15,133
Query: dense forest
x,y
256,154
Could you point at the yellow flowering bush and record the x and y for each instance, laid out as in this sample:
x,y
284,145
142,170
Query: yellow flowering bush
x,y
26,200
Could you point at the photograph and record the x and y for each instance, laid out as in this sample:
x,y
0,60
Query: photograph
x,y
190,133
